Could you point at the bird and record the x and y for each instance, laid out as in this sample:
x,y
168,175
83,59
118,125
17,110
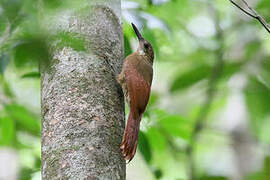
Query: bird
x,y
136,80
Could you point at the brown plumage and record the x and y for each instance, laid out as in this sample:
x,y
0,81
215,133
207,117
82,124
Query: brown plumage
x,y
136,79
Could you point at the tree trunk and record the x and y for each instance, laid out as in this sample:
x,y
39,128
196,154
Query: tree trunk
x,y
81,101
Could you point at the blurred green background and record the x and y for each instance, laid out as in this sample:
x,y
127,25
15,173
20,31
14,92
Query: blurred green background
x,y
209,111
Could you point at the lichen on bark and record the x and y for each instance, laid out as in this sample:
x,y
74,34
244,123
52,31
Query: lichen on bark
x,y
82,104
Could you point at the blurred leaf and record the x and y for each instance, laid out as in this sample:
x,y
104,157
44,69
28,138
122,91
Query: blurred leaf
x,y
153,98
156,139
255,176
128,49
191,77
257,97
7,131
31,75
230,69
38,162
4,60
152,101
30,52
263,9
263,4
12,12
56,5
158,173
150,2
3,24
7,91
24,120
26,173
213,178
264,75
52,4
67,39
201,72
176,126
144,147
11,8
266,167
251,49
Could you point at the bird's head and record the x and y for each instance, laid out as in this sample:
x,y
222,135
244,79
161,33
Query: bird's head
x,y
145,48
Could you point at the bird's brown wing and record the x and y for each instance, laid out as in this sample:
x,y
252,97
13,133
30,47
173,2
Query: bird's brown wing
x,y
138,91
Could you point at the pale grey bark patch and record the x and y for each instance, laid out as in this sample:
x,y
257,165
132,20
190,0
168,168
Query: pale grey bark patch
x,y
82,104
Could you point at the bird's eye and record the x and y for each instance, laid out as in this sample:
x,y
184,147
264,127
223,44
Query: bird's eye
x,y
146,46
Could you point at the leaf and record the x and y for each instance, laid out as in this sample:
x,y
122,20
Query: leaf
x,y
156,140
68,39
7,131
213,178
201,72
264,75
158,173
256,176
177,126
153,99
151,103
30,52
31,75
24,120
251,48
128,49
52,4
26,173
7,90
263,8
267,167
230,69
4,60
144,147
257,97
3,24
191,77
11,8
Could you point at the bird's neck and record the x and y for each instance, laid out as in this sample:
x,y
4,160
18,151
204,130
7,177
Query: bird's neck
x,y
146,57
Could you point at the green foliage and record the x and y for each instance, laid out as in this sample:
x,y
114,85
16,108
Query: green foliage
x,y
31,75
213,178
30,52
128,50
4,60
25,121
144,147
156,139
191,77
258,102
66,39
7,131
176,126
202,72
52,4
6,88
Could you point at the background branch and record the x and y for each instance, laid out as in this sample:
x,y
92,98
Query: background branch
x,y
254,14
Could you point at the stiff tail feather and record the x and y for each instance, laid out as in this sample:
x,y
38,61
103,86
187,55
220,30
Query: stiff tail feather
x,y
130,138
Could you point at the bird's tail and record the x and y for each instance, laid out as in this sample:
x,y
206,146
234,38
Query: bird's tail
x,y
130,138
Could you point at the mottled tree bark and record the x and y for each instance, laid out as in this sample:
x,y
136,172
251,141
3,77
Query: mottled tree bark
x,y
82,104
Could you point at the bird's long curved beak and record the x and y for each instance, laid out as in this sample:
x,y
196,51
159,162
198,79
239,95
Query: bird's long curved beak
x,y
137,32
